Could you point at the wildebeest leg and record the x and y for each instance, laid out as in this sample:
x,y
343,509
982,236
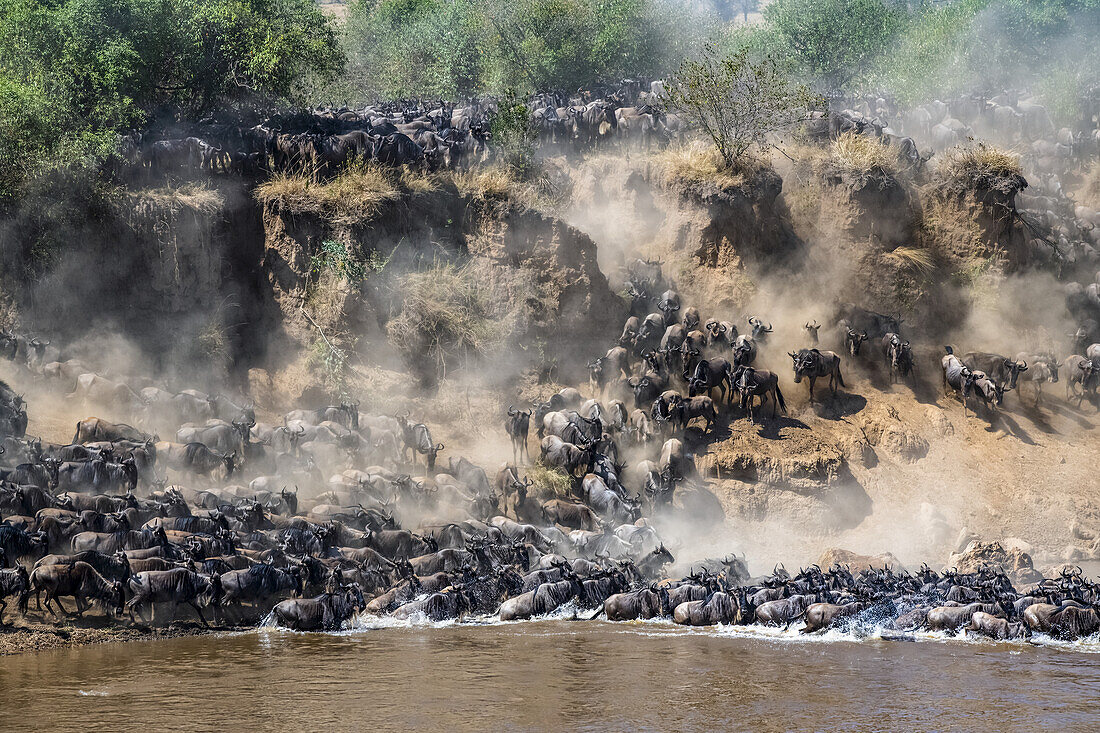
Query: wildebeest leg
x,y
60,605
199,612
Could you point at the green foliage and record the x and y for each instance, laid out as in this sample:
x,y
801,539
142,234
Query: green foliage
x,y
72,72
455,48
833,40
335,257
512,132
994,44
739,101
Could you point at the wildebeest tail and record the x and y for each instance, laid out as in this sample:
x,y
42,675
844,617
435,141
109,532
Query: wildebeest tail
x,y
779,398
797,616
76,436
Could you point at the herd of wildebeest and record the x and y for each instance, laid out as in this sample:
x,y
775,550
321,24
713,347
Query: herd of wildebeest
x,y
331,512
328,512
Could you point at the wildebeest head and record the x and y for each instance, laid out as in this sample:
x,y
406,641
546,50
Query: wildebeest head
x,y
352,411
854,340
812,329
804,363
990,391
1013,369
759,330
230,460
595,369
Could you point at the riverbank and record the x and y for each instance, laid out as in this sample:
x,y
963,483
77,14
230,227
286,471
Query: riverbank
x,y
23,638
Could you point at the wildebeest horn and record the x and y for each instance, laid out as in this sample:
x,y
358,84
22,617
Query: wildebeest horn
x,y
439,446
792,355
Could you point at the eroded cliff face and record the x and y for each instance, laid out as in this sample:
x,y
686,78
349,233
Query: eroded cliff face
x,y
543,270
981,222
715,239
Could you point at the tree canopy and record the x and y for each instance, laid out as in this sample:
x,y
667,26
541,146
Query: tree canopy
x,y
73,72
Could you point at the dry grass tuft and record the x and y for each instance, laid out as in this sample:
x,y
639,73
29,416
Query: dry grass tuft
x,y
550,483
981,164
496,183
915,258
197,198
699,162
357,194
862,155
450,313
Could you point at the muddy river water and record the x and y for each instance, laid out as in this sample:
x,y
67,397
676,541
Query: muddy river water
x,y
559,674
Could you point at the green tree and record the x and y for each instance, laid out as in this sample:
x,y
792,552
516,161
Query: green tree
x,y
83,69
834,40
738,101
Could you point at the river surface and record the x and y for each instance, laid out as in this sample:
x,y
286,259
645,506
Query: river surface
x,y
556,674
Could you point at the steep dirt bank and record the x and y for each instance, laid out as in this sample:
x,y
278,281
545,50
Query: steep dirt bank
x,y
880,468
543,289
716,236
172,269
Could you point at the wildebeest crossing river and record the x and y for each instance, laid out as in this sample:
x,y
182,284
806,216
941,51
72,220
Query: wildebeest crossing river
x,y
552,674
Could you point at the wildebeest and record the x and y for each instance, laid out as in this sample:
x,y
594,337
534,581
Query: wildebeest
x,y
1083,373
989,391
569,514
327,611
418,438
566,456
518,427
872,325
1000,369
758,330
898,356
1073,623
820,616
710,374
744,351
13,582
197,459
112,542
693,407
94,429
718,608
722,334
782,612
1044,369
547,598
853,340
996,628
259,583
644,603
812,363
951,618
607,503
92,389
175,586
957,376
16,543
98,476
752,383
79,580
